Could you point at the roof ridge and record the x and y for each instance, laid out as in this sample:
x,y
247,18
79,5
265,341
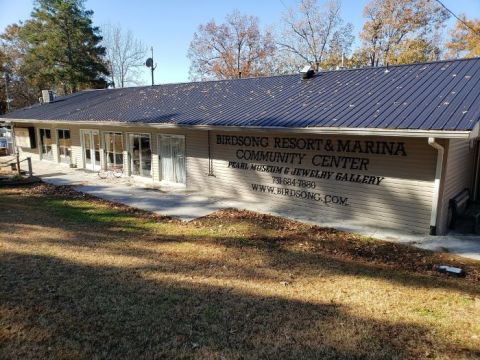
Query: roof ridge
x,y
287,75
424,62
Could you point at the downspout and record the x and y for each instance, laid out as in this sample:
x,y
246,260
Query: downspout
x,y
436,185
210,160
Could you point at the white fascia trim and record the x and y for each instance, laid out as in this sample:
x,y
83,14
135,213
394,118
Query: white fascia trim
x,y
441,134
475,133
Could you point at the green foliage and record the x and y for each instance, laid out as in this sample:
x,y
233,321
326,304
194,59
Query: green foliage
x,y
63,47
85,212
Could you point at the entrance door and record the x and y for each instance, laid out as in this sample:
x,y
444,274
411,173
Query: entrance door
x,y
46,144
140,154
114,149
91,149
64,145
171,150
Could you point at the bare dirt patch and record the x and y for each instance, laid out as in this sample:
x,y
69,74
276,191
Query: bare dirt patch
x,y
82,277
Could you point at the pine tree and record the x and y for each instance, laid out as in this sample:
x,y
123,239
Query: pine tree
x,y
64,49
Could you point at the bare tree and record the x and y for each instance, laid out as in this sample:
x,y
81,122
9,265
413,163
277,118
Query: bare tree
x,y
314,35
232,49
399,31
125,55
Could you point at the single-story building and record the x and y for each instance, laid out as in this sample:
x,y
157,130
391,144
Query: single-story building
x,y
384,147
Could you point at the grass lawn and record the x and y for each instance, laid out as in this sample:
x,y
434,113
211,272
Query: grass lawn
x,y
85,278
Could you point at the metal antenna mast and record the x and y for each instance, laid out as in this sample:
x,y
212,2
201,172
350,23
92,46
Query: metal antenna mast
x,y
149,63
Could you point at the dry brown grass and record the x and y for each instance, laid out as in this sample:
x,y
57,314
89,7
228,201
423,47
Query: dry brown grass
x,y
85,278
5,169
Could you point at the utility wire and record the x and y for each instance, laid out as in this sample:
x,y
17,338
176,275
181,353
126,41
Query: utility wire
x,y
475,31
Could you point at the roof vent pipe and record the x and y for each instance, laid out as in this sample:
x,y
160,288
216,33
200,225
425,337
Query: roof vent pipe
x,y
436,186
307,72
47,96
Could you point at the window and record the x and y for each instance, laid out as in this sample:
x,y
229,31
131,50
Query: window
x,y
46,144
140,154
64,146
114,149
172,158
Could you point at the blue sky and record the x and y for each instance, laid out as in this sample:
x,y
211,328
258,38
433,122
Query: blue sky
x,y
168,26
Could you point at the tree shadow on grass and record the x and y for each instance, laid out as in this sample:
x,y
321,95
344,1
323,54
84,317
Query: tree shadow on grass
x,y
275,262
95,233
349,261
52,308
64,308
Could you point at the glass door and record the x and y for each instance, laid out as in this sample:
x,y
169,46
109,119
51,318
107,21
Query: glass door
x,y
46,144
172,158
91,149
140,154
114,150
64,146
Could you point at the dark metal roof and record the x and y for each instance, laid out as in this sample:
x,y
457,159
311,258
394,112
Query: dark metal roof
x,y
442,95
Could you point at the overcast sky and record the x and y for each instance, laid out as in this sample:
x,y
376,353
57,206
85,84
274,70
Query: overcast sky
x,y
168,26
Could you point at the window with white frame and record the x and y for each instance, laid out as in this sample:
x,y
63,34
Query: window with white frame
x,y
171,152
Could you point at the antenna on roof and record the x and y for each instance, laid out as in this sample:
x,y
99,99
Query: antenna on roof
x,y
149,63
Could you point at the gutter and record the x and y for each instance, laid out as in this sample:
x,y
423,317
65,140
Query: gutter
x,y
436,187
447,134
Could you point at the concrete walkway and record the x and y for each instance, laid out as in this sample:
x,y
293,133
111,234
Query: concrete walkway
x,y
138,193
190,205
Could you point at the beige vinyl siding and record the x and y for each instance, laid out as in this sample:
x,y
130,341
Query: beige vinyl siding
x,y
457,175
35,153
77,157
27,152
196,144
402,201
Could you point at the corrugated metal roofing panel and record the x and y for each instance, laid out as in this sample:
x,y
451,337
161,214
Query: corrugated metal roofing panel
x,y
440,95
